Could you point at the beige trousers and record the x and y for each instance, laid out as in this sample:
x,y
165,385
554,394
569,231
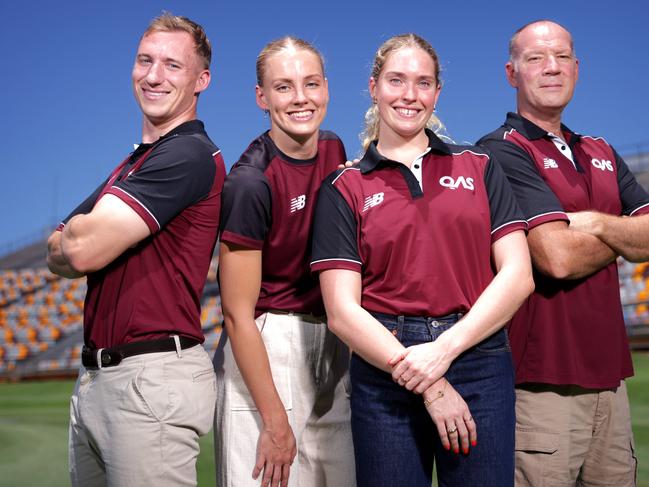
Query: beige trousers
x,y
310,370
138,423
569,436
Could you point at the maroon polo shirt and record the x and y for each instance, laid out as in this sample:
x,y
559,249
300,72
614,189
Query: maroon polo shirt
x,y
154,289
268,204
420,253
568,331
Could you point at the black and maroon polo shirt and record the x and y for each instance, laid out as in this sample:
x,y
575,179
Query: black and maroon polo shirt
x,y
422,251
154,289
268,204
568,331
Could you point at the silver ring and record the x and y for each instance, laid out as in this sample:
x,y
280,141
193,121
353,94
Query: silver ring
x,y
451,431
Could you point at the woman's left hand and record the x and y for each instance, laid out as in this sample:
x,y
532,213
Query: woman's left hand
x,y
418,367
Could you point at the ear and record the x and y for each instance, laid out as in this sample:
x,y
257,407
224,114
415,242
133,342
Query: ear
x,y
438,90
326,88
372,86
576,70
510,72
260,98
203,81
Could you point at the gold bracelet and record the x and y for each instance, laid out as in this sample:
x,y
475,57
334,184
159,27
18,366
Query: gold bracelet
x,y
440,394
428,402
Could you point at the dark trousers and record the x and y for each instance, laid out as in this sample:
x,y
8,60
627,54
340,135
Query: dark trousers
x,y
395,439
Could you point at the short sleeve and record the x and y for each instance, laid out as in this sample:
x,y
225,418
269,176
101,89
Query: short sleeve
x,y
246,207
335,244
634,198
534,197
86,206
178,173
506,216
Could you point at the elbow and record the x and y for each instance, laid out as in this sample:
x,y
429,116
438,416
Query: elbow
x,y
527,284
555,267
81,260
227,322
334,323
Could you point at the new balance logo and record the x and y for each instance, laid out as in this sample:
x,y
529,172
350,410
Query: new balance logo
x,y
549,163
298,203
450,183
370,201
602,164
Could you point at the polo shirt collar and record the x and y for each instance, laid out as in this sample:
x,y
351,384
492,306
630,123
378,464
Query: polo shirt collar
x,y
189,127
372,158
531,131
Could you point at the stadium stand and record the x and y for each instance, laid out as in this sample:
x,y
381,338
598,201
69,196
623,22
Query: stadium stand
x,y
41,315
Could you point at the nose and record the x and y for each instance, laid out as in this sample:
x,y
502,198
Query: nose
x,y
154,74
410,92
551,65
299,97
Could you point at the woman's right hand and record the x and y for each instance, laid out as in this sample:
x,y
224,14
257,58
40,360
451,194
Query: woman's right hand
x,y
275,453
451,415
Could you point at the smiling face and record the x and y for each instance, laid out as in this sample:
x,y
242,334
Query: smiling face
x,y
405,92
543,69
167,76
295,94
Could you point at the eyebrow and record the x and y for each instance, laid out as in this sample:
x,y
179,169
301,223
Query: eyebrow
x,y
166,60
400,73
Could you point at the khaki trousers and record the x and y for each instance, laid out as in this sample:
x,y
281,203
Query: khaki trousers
x,y
138,423
570,436
310,370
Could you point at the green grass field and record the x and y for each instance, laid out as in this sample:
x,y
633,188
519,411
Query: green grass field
x,y
34,421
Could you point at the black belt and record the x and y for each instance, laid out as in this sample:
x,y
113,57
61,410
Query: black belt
x,y
114,355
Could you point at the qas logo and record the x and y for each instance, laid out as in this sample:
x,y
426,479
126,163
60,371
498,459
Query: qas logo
x,y
602,164
461,181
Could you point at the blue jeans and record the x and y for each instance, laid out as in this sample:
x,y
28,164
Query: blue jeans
x,y
395,439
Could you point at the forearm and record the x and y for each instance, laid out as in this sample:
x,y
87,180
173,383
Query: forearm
x,y
92,241
564,253
56,261
491,311
77,242
252,359
341,291
628,236
511,285
364,335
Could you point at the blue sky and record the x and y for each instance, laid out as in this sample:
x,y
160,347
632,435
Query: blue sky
x,y
69,115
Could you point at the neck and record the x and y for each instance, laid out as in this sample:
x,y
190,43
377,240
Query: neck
x,y
152,130
401,149
549,121
296,147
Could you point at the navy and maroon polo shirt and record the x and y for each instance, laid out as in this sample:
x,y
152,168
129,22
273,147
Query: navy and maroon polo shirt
x,y
568,331
268,204
420,252
154,289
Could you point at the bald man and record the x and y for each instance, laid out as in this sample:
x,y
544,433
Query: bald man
x,y
584,208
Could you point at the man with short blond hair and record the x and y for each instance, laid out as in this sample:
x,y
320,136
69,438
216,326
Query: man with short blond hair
x,y
144,239
568,340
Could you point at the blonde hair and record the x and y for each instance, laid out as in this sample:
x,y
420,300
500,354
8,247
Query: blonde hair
x,y
166,22
283,44
371,130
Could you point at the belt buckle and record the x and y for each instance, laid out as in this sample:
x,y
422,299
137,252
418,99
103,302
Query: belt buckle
x,y
108,357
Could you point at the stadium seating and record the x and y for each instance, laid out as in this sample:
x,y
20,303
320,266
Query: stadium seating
x,y
39,310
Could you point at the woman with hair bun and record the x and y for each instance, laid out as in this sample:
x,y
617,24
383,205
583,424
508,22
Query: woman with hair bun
x,y
422,260
281,375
